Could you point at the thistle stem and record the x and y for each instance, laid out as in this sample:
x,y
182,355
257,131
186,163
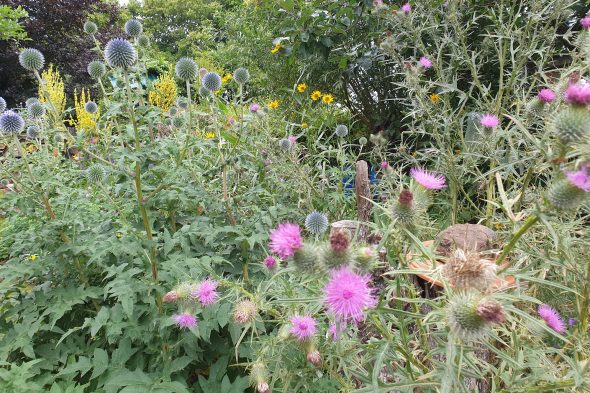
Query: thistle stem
x,y
527,225
138,189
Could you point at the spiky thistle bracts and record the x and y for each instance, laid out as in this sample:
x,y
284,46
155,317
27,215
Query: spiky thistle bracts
x,y
90,27
241,75
133,27
467,269
404,210
470,317
211,81
2,105
36,110
96,69
316,223
569,192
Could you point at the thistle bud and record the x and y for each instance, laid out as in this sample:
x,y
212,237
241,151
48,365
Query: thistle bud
x,y
572,123
570,192
259,377
403,210
245,312
314,357
470,317
490,311
170,297
306,257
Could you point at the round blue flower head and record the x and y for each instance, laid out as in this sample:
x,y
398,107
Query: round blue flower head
x,y
31,59
11,123
211,81
120,53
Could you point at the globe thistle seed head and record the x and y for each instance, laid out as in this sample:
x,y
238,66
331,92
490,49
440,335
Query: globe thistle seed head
x,y
2,104
316,223
58,138
33,132
341,130
31,101
241,75
96,174
490,311
466,269
133,27
172,111
96,69
211,81
178,121
363,141
285,144
306,258
182,103
143,40
339,241
120,53
11,123
245,312
186,69
572,123
36,110
463,318
31,59
205,93
90,27
91,107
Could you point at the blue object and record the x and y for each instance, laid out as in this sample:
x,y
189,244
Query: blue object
x,y
349,181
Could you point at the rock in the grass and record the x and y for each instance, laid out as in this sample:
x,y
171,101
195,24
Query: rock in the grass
x,y
469,237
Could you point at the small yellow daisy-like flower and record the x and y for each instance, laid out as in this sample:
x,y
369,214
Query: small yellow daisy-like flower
x,y
301,87
209,135
328,98
434,98
499,225
315,95
273,104
33,257
119,235
75,157
304,125
276,48
226,78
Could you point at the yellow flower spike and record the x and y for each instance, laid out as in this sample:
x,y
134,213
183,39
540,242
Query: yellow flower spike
x,y
315,95
301,87
304,125
328,98
273,104
164,93
84,120
52,90
434,98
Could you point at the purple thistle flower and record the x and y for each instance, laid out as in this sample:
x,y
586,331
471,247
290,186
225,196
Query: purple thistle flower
x,y
202,71
285,240
580,178
546,96
292,139
577,94
585,22
303,327
384,165
254,108
347,294
270,262
406,8
185,320
206,292
429,180
551,318
489,121
425,62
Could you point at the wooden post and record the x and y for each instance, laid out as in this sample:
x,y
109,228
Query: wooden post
x,y
363,198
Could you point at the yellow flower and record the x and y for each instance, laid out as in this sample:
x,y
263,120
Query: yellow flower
x,y
119,235
52,89
276,48
499,225
209,135
273,104
301,87
33,257
164,93
84,120
226,78
328,98
304,125
315,95
434,98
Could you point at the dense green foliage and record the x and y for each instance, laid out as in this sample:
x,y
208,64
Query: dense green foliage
x,y
115,212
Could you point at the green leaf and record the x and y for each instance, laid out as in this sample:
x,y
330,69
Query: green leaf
x,y
100,362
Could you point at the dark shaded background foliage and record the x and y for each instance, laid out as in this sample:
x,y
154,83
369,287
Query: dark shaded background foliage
x,y
55,28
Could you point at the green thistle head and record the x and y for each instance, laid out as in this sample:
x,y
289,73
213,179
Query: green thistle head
x,y
306,258
96,69
572,123
133,27
241,75
36,110
186,69
90,28
31,59
96,174
120,53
